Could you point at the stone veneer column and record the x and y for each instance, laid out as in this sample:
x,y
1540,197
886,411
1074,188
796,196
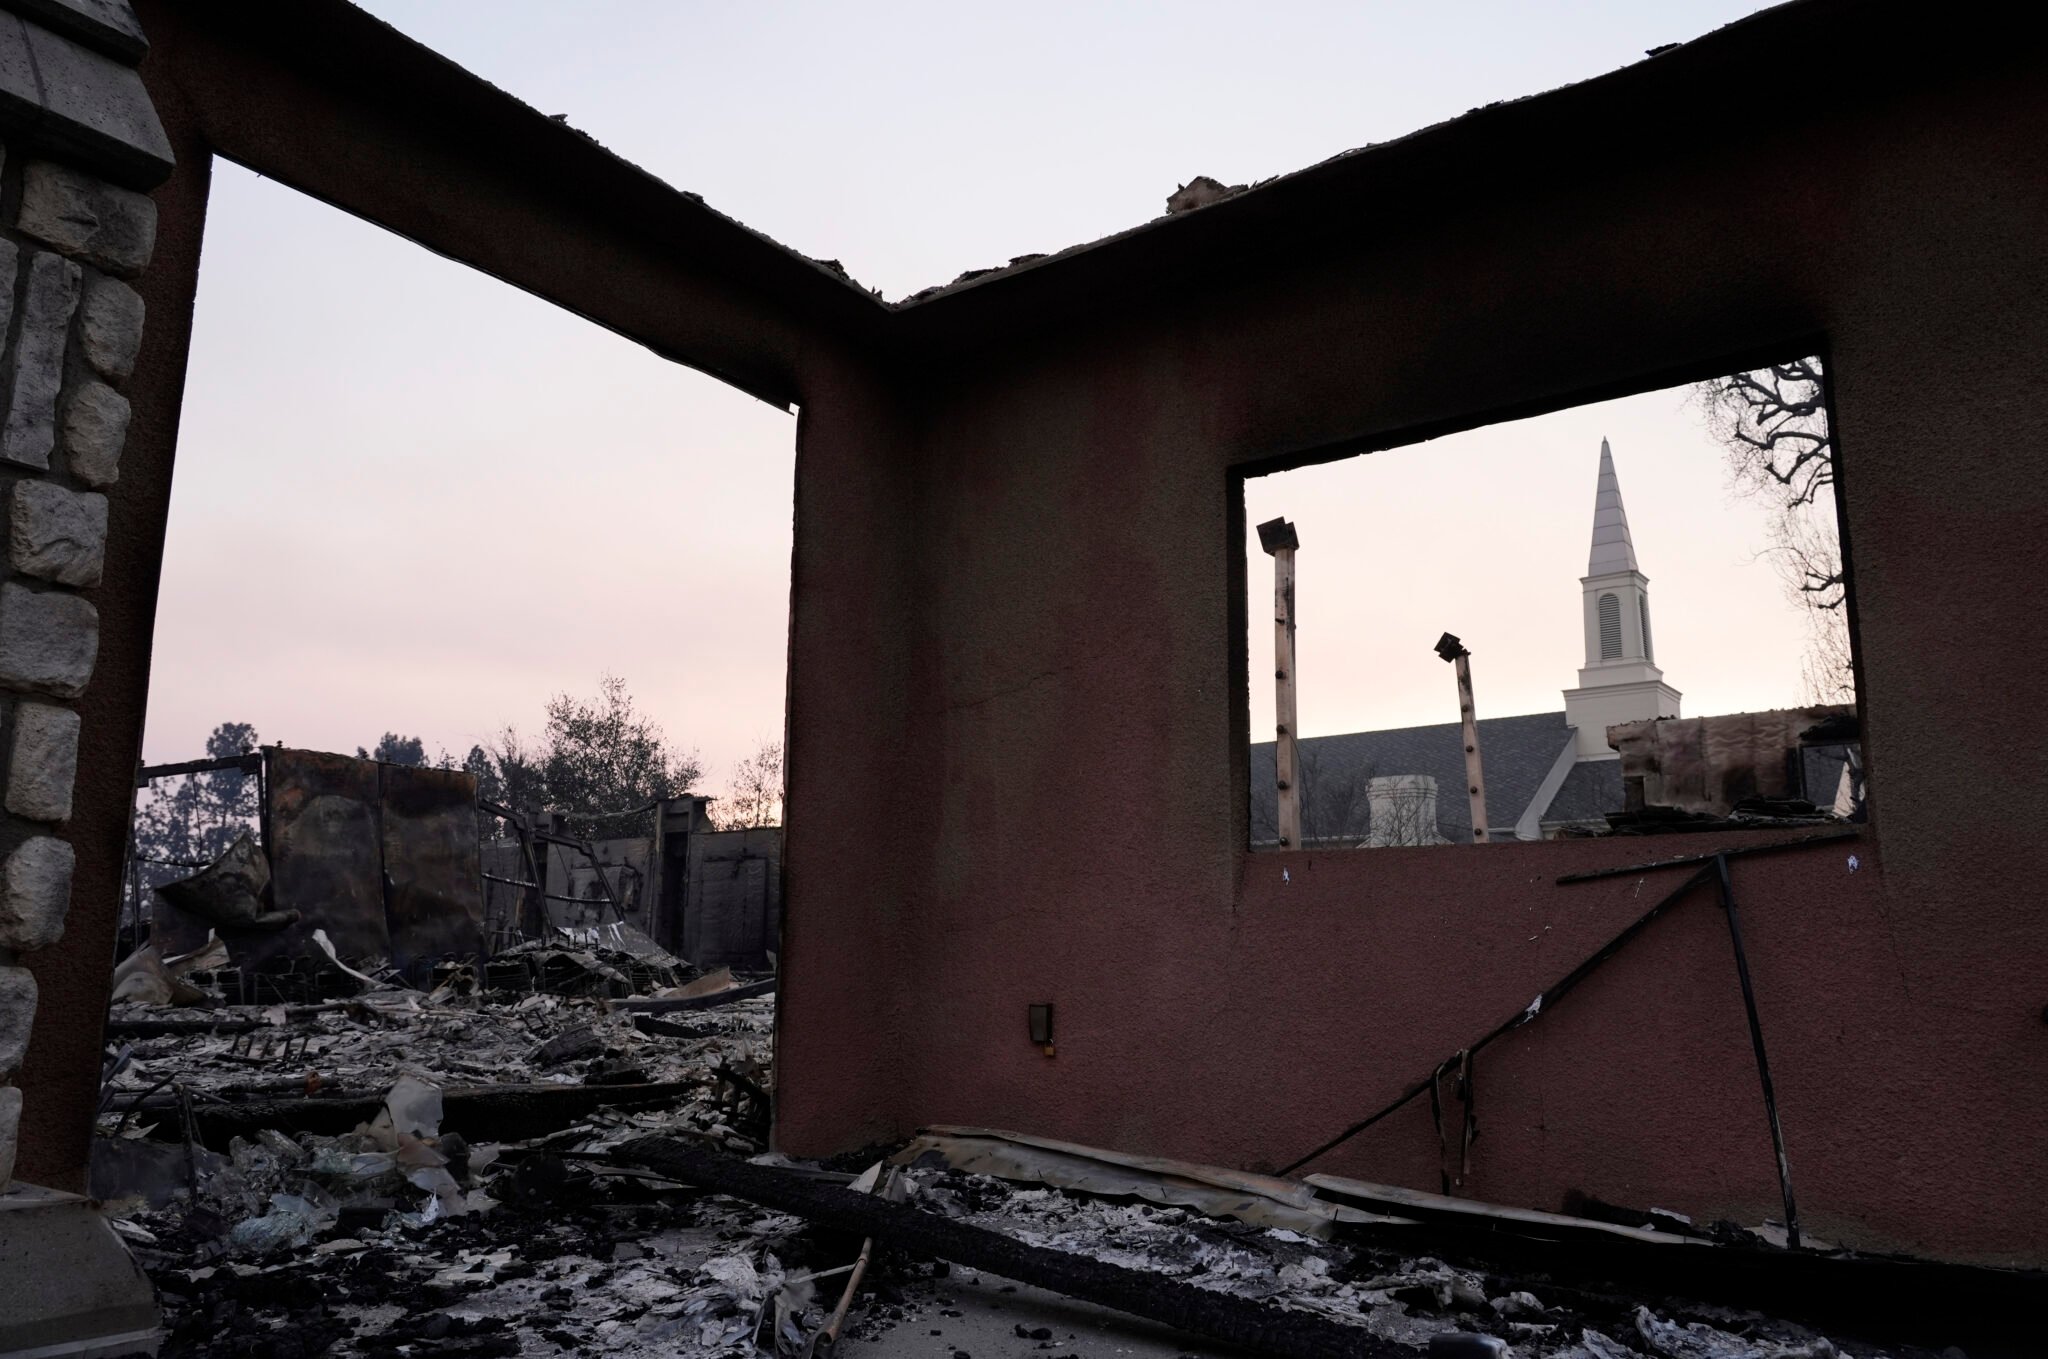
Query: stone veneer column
x,y
78,140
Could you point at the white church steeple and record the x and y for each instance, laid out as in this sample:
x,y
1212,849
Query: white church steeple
x,y
1620,681
1613,549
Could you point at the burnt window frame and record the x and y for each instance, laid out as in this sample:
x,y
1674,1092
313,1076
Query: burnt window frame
x,y
1267,462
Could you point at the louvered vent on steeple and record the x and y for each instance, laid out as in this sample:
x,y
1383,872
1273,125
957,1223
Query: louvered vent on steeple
x,y
1610,628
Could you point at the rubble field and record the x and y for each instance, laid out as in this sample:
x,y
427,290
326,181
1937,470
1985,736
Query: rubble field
x,y
419,1231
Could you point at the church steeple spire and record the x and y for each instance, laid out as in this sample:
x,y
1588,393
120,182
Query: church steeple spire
x,y
1620,681
1613,550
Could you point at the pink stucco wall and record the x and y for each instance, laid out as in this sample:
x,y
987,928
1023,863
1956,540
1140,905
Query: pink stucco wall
x,y
1028,784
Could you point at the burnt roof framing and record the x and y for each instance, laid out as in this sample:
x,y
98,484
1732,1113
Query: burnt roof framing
x,y
324,97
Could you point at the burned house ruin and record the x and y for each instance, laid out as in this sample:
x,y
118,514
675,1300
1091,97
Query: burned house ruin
x,y
1018,883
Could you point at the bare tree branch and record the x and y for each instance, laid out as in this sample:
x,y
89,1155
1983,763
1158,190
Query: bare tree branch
x,y
1774,423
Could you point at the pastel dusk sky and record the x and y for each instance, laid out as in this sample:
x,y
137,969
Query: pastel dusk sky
x,y
412,498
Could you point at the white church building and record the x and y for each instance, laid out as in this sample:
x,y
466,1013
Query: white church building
x,y
1546,773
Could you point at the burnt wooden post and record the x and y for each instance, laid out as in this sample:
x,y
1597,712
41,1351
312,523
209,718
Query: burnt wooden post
x,y
1277,536
674,820
541,825
1453,650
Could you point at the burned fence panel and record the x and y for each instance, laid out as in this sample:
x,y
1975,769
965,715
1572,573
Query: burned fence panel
x,y
733,909
381,859
326,853
432,866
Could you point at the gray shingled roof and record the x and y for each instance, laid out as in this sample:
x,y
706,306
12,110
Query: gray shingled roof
x,y
1588,793
1518,753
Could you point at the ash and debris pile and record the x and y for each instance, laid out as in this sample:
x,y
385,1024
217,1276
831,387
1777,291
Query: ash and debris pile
x,y
544,1252
408,1173
275,1223
538,1013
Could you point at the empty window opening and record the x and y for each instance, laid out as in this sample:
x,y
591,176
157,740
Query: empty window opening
x,y
429,520
1554,716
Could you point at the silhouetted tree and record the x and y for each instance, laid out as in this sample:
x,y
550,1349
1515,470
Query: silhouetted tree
x,y
191,819
516,772
1333,804
479,766
600,755
755,793
1774,423
392,748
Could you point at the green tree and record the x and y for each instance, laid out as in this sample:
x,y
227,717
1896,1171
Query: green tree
x,y
600,755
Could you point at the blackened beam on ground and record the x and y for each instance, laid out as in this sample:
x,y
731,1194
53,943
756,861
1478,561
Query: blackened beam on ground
x,y
288,1094
1260,1328
248,764
169,1028
1763,1063
716,998
818,1173
1886,1301
655,1028
1744,851
483,1113
1536,1007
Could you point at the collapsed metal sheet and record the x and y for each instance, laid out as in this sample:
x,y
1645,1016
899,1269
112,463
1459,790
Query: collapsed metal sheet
x,y
432,867
1215,1191
1423,1206
326,854
229,893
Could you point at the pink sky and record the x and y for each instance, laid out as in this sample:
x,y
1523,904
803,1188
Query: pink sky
x,y
411,498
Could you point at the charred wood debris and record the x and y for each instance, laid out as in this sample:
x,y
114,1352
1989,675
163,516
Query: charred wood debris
x,y
566,1153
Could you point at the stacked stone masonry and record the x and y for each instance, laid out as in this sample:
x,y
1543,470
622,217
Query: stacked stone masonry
x,y
73,327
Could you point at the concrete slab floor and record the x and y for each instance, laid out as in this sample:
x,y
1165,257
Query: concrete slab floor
x,y
979,1315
